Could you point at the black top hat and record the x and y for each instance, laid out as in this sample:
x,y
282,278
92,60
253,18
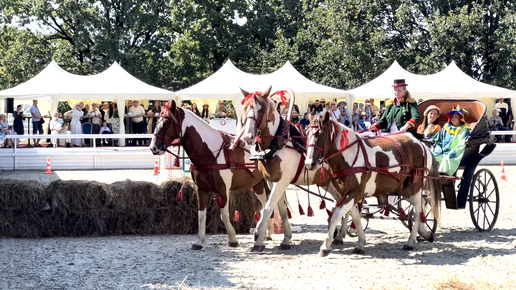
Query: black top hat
x,y
400,83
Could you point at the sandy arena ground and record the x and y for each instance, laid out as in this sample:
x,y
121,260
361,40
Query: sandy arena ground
x,y
161,262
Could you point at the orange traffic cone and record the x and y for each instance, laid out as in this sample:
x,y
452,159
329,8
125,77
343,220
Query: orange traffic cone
x,y
156,168
502,175
48,167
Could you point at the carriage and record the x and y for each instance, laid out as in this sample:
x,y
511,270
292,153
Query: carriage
x,y
479,188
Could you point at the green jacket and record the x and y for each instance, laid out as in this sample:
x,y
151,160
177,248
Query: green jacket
x,y
406,112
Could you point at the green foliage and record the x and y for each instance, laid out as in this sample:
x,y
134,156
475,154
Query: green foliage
x,y
63,107
341,43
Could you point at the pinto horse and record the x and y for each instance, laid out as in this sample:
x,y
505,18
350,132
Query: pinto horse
x,y
215,168
284,166
372,167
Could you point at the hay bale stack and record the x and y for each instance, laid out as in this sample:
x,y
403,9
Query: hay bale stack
x,y
78,208
182,218
178,217
21,203
134,207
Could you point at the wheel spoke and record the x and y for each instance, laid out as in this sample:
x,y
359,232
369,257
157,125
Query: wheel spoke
x,y
494,190
490,209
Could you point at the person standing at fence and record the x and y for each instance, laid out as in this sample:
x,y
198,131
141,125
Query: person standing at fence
x,y
57,128
18,120
37,121
95,120
76,126
137,121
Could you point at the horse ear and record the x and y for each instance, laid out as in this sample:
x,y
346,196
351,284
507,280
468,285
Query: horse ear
x,y
246,93
267,92
173,106
326,117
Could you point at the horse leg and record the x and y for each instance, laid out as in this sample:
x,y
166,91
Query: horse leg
x,y
335,219
202,198
415,200
277,192
287,231
262,197
224,215
423,230
355,214
339,239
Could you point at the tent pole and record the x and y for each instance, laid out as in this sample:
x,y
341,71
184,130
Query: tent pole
x,y
121,114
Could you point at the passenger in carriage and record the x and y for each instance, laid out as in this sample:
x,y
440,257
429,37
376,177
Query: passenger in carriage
x,y
449,148
430,128
401,114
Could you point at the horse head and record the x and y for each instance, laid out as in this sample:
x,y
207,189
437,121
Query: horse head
x,y
167,129
258,110
320,135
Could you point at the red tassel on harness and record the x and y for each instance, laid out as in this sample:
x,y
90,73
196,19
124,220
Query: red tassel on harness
x,y
323,205
288,213
344,140
237,216
301,211
256,217
386,210
310,211
423,217
219,201
330,214
323,174
403,213
259,140
176,162
179,196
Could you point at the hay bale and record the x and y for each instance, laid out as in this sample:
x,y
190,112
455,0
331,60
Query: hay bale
x,y
78,208
182,217
21,203
134,207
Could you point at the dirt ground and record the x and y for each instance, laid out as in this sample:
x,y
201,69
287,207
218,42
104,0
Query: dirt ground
x,y
163,262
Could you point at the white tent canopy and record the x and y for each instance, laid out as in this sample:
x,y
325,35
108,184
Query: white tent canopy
x,y
227,81
57,84
448,83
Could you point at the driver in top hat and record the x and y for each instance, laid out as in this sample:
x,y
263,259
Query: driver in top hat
x,y
401,114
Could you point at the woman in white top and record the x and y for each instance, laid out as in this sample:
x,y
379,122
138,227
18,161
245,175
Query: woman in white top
x,y
75,125
335,112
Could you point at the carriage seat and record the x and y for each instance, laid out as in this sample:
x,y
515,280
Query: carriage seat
x,y
476,110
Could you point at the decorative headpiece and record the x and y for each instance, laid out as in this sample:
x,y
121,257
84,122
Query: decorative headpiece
x,y
457,110
400,83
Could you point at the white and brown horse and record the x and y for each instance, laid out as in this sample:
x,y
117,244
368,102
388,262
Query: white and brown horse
x,y
263,124
215,168
372,167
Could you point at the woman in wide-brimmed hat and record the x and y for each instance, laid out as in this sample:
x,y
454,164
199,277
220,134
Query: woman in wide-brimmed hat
x,y
206,115
449,148
430,128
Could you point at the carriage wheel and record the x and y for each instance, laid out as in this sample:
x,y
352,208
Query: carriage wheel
x,y
430,223
484,200
365,222
407,208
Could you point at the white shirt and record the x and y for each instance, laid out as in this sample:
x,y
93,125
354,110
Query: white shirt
x,y
137,111
499,106
96,113
104,129
56,124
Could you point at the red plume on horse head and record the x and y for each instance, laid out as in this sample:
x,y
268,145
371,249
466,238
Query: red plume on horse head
x,y
248,95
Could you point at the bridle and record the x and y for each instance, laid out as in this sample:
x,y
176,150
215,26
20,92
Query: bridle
x,y
330,132
251,99
174,119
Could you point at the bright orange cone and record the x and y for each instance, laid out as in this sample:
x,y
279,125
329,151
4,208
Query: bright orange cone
x,y
48,167
502,175
156,168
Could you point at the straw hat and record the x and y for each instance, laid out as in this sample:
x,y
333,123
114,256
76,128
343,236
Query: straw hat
x,y
432,107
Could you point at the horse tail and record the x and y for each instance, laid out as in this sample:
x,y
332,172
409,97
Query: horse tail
x,y
435,189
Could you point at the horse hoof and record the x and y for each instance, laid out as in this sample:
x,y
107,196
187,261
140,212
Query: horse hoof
x,y
258,249
324,253
337,242
233,244
268,239
358,251
284,247
196,247
408,248
432,238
